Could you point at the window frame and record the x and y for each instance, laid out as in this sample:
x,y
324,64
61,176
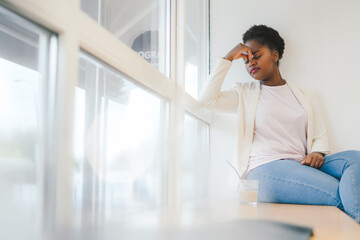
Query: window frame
x,y
47,69
77,31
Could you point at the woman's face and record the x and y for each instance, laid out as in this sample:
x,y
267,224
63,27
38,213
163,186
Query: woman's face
x,y
263,64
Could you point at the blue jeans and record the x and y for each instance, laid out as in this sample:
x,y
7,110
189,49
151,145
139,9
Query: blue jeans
x,y
336,183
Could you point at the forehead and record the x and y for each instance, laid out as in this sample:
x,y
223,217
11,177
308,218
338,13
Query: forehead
x,y
255,45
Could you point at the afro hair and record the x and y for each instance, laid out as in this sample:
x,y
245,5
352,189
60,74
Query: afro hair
x,y
266,35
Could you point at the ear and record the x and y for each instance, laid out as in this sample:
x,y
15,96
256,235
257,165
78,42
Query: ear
x,y
275,56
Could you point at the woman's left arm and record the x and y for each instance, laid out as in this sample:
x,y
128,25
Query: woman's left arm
x,y
320,142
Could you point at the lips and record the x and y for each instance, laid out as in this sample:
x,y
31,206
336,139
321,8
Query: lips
x,y
254,70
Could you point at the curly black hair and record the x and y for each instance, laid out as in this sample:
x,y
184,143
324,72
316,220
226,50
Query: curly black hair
x,y
266,35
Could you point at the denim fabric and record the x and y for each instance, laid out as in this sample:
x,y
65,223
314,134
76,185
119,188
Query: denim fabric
x,y
336,183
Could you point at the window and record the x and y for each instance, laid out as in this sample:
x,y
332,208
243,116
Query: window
x,y
195,160
118,122
196,46
27,62
120,143
143,25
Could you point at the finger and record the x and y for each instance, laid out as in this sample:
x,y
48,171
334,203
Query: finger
x,y
247,51
317,164
304,160
313,161
245,57
308,159
320,162
250,53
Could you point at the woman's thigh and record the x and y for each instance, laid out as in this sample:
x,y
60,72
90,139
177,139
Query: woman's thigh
x,y
288,181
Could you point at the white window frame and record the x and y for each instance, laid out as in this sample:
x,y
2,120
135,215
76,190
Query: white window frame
x,y
76,30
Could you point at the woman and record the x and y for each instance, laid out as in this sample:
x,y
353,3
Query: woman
x,y
281,137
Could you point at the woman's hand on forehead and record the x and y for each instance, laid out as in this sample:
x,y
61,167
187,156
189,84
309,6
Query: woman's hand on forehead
x,y
240,51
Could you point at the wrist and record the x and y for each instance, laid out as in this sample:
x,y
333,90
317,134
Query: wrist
x,y
228,58
322,154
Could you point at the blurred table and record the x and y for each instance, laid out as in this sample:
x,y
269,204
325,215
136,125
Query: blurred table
x,y
327,222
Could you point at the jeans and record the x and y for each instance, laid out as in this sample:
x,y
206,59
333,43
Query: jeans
x,y
336,183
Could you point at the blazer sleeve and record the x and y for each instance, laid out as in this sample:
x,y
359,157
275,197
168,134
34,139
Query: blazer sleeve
x,y
320,142
212,97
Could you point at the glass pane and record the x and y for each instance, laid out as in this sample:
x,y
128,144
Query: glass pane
x,y
24,64
195,159
119,145
143,25
196,46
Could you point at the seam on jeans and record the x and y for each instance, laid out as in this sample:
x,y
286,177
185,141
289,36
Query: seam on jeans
x,y
300,184
357,214
334,160
342,170
339,158
354,190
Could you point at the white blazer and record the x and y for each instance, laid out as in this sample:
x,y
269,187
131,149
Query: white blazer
x,y
242,99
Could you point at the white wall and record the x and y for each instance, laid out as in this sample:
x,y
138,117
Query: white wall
x,y
322,50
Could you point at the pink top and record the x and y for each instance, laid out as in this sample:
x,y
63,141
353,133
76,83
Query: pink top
x,y
280,127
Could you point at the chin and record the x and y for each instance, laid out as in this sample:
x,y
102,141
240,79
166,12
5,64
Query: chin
x,y
259,78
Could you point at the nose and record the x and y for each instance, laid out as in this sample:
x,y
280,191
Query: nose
x,y
252,62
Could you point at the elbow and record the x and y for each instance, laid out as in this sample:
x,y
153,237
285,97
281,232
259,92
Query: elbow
x,y
207,103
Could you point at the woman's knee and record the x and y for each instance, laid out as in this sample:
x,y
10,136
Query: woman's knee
x,y
353,156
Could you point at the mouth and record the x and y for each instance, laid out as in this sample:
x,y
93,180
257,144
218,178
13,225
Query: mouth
x,y
254,70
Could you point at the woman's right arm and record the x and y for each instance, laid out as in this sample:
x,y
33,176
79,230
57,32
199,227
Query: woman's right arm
x,y
211,96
